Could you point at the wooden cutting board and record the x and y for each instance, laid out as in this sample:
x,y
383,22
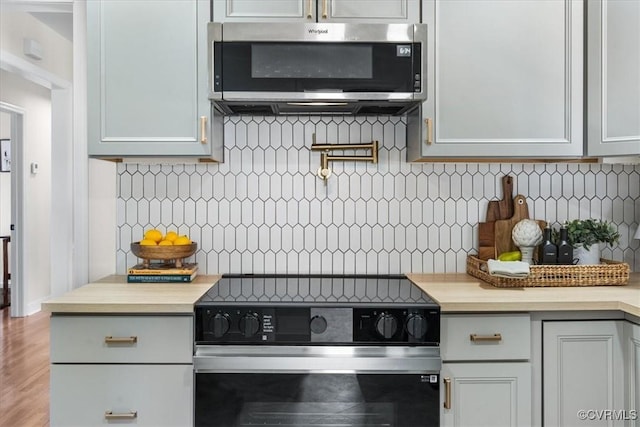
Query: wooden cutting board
x,y
496,209
486,232
506,204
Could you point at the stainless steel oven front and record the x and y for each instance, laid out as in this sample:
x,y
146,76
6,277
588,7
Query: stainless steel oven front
x,y
317,351
317,386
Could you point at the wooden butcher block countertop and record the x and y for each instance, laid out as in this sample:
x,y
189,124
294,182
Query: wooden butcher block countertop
x,y
455,292
459,292
113,294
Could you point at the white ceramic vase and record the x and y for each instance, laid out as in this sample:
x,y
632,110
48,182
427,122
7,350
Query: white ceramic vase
x,y
527,254
587,257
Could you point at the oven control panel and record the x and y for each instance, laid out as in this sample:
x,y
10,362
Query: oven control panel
x,y
318,325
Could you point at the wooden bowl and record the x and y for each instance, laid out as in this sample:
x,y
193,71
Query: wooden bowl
x,y
175,253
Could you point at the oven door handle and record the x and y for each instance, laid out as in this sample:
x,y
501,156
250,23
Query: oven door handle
x,y
317,360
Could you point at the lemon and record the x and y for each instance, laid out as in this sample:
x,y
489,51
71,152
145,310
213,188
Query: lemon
x,y
182,240
171,236
510,256
147,242
165,243
153,234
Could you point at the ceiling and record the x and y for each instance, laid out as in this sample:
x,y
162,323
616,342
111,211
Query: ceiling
x,y
60,22
55,14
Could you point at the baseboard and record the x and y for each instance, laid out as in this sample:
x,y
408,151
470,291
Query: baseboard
x,y
35,306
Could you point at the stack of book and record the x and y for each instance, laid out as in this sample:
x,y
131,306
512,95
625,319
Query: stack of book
x,y
162,273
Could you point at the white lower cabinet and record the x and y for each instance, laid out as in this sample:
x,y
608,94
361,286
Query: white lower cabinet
x,y
583,373
486,394
121,369
486,370
632,357
141,395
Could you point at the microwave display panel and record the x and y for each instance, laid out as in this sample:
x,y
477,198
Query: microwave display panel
x,y
311,61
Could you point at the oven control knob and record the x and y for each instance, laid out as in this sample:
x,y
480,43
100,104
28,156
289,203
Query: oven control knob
x,y
249,325
416,325
219,324
386,325
318,324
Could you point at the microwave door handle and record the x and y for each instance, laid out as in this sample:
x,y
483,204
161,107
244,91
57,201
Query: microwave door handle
x,y
323,91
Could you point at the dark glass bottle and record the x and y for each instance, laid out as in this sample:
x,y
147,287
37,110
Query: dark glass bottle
x,y
565,250
547,251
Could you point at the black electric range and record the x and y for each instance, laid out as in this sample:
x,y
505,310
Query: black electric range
x,y
317,310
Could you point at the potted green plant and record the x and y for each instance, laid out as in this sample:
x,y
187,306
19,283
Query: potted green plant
x,y
587,236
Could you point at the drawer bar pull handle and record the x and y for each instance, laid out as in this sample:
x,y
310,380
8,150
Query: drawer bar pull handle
x,y
120,340
109,415
485,338
447,393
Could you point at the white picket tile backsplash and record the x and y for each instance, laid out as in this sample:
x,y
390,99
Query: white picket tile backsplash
x,y
265,211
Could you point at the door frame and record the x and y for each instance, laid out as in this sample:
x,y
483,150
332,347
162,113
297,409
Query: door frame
x,y
16,267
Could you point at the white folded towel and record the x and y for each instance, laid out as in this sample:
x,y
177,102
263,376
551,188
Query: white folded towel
x,y
508,269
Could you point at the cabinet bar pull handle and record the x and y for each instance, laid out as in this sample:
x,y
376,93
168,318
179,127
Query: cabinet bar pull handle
x,y
447,393
481,338
203,129
109,415
309,5
120,340
429,124
324,9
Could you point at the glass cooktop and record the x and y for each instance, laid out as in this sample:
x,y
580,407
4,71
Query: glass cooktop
x,y
316,290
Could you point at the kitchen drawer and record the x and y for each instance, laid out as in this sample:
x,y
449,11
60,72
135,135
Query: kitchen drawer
x,y
121,339
485,337
144,395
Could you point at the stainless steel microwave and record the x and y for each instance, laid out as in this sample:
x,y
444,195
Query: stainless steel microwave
x,y
291,68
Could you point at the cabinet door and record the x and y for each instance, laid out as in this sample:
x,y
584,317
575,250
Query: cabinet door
x,y
505,80
487,394
582,365
632,356
613,79
147,79
144,395
370,11
264,10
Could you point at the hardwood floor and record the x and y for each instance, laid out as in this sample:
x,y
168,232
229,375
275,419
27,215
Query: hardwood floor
x,y
24,370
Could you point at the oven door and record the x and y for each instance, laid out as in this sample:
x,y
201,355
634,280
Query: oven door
x,y
317,386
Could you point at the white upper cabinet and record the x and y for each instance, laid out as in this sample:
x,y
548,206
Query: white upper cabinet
x,y
505,79
613,77
370,11
147,79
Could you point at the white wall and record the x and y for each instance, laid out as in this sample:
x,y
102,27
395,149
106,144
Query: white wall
x,y
36,101
16,26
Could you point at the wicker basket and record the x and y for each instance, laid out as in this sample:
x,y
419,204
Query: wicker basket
x,y
609,273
